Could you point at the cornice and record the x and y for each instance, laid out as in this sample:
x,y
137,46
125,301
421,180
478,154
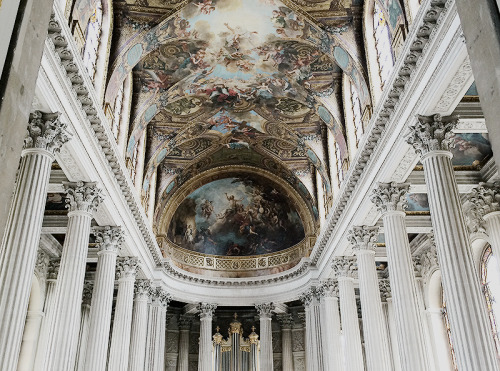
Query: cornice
x,y
62,47
423,32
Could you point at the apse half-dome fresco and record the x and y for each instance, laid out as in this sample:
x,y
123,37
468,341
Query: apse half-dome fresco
x,y
236,216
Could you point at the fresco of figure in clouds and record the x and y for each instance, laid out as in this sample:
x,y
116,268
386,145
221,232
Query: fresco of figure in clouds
x,y
237,217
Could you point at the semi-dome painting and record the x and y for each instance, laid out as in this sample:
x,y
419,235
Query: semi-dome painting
x,y
236,216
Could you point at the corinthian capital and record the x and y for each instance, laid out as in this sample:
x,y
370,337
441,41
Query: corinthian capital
x,y
46,131
127,267
142,289
330,288
88,287
363,237
81,196
385,289
344,266
206,310
109,238
160,297
481,201
265,310
390,196
432,133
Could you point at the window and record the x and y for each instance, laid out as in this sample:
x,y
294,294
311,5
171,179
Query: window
x,y
133,161
92,36
117,113
356,110
490,280
382,44
340,170
448,334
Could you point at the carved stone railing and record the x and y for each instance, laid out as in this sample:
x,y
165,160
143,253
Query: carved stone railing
x,y
62,47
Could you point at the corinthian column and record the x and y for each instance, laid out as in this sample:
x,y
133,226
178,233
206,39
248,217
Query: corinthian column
x,y
139,331
483,202
345,268
330,318
205,353
286,322
390,199
470,329
46,135
314,340
48,310
155,342
82,199
265,311
374,327
84,326
122,322
109,242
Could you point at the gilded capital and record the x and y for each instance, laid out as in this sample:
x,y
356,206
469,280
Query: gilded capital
x,y
109,238
265,310
142,289
345,266
46,131
206,310
432,133
82,196
126,267
363,237
390,196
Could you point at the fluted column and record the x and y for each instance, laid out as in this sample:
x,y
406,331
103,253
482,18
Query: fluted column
x,y
314,337
122,323
330,319
374,328
388,308
155,342
286,323
48,319
139,331
82,199
254,352
184,327
390,199
46,135
265,311
345,268
83,336
466,310
483,202
109,242
206,311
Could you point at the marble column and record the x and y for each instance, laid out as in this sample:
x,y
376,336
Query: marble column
x,y
314,337
483,206
84,326
46,135
109,241
377,351
472,339
48,319
155,342
254,352
330,318
184,327
265,311
217,344
390,200
388,308
82,199
345,268
139,331
122,323
286,322
206,311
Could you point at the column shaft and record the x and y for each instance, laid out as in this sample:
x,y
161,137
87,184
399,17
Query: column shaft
x,y
332,346
374,327
471,332
286,349
30,341
205,351
47,325
69,288
139,331
266,344
407,316
183,361
83,337
493,229
19,249
155,342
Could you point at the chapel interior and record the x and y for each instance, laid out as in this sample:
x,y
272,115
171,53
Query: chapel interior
x,y
249,185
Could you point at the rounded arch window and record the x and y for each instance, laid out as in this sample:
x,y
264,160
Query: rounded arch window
x,y
92,38
383,46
